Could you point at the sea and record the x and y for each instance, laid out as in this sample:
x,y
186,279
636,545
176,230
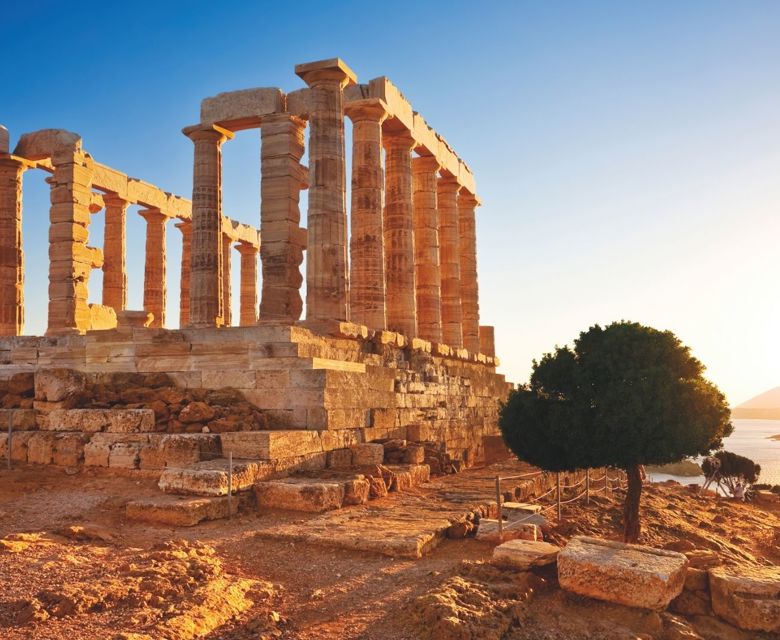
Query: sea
x,y
752,439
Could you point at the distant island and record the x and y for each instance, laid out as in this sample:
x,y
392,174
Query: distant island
x,y
765,406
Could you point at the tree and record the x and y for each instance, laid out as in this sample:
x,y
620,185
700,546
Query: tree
x,y
626,395
733,469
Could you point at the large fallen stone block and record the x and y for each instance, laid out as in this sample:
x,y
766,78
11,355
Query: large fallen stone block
x,y
747,597
271,445
627,574
179,511
96,420
524,554
300,494
209,478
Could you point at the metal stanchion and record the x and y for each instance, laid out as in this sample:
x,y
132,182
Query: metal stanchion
x,y
558,495
587,486
499,510
230,485
10,436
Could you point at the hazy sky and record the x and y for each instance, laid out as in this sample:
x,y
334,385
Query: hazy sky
x,y
627,153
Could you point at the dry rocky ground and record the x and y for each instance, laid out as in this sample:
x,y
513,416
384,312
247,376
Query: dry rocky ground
x,y
73,566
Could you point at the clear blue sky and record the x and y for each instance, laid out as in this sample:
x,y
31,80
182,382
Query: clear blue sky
x,y
628,153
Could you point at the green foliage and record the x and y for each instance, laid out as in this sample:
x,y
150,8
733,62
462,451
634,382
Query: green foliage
x,y
733,468
624,395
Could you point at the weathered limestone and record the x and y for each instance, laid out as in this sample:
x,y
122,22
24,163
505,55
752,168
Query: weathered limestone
x,y
367,269
449,243
180,511
248,293
469,295
281,250
154,268
227,294
326,261
524,554
114,253
487,340
300,494
11,252
399,234
427,267
748,597
186,257
627,574
206,258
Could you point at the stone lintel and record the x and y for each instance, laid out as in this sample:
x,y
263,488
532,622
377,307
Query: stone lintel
x,y
332,69
44,143
244,109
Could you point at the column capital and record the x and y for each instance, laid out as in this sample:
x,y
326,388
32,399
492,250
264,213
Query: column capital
x,y
368,109
333,70
245,248
398,139
208,132
449,183
184,224
111,199
153,215
423,164
466,198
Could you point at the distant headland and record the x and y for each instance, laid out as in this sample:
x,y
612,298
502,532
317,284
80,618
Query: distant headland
x,y
765,406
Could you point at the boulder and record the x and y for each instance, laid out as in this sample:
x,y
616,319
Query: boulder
x,y
627,574
356,491
55,385
524,554
747,597
300,494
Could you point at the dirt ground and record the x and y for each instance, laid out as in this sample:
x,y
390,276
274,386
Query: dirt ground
x,y
73,566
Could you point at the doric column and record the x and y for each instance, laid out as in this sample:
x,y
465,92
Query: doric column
x,y
227,288
469,292
114,253
206,258
11,251
367,269
487,340
399,234
154,269
426,248
248,283
70,260
449,252
185,226
326,258
281,179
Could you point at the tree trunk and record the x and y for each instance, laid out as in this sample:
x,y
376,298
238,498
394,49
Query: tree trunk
x,y
631,505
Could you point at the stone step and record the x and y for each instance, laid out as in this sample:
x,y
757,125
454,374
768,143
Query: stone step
x,y
210,478
277,444
182,511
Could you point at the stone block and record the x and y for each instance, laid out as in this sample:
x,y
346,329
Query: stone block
x,y
271,445
300,494
241,109
488,531
356,491
525,554
96,453
179,511
21,419
339,459
40,448
627,574
54,385
69,449
747,597
414,454
209,478
124,455
96,420
367,453
19,445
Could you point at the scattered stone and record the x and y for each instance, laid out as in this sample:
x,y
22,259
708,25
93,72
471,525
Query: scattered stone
x,y
747,597
196,412
300,494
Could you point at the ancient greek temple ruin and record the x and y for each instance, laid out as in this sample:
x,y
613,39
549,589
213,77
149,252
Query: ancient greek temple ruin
x,y
387,346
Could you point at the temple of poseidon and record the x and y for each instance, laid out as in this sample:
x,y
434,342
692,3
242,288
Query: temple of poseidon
x,y
385,377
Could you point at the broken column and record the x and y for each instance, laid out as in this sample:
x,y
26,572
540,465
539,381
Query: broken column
x,y
11,252
487,340
227,294
367,271
248,283
326,260
399,234
426,248
114,252
469,293
185,226
154,268
206,258
449,251
281,251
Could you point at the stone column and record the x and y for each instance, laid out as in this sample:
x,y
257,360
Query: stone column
x,y
367,269
281,179
11,251
426,248
70,260
248,283
114,253
326,259
206,256
185,226
154,270
469,292
487,340
399,234
449,252
227,293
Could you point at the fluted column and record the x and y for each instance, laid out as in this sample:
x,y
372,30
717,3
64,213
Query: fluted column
x,y
11,251
469,291
114,253
154,268
426,248
281,179
399,234
326,258
227,288
206,256
185,226
449,252
248,283
367,270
